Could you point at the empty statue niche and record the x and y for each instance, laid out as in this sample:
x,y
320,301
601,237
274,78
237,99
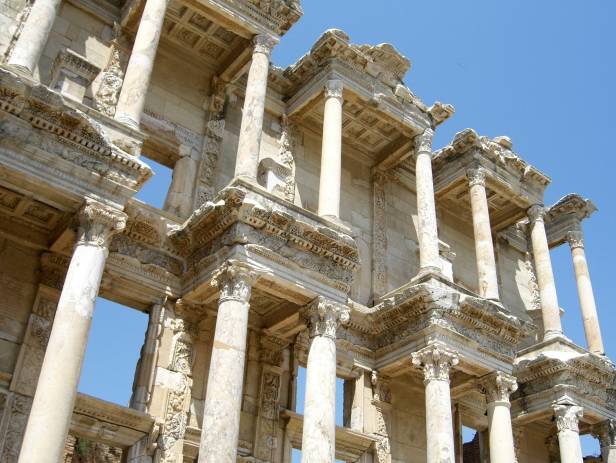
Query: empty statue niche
x,y
112,352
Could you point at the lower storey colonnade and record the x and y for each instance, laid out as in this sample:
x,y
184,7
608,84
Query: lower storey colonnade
x,y
51,411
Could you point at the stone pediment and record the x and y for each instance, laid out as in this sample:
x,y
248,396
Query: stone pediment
x,y
65,133
244,214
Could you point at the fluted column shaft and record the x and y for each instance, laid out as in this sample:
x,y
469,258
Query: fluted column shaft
x,y
139,71
319,432
223,400
498,387
249,144
331,152
550,311
429,259
585,293
484,246
52,408
436,363
567,421
34,35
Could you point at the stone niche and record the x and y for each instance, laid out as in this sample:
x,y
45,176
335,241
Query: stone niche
x,y
72,76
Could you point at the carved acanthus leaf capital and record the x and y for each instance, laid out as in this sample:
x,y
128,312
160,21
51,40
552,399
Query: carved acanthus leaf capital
x,y
264,43
606,433
567,417
536,213
423,142
498,387
436,362
334,88
323,317
575,239
98,223
476,176
235,280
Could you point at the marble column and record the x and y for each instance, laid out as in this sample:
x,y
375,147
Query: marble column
x,y
550,311
331,152
179,200
497,388
484,246
585,293
606,433
249,144
223,400
436,362
429,260
34,35
54,399
567,420
140,64
319,433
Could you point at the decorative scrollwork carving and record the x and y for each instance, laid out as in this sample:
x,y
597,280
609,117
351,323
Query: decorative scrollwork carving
x,y
436,362
324,317
567,417
98,223
235,280
498,387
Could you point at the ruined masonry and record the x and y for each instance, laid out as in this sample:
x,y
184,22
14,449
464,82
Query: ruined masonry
x,y
309,223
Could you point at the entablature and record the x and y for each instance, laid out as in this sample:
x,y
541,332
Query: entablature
x,y
512,184
379,111
59,144
565,216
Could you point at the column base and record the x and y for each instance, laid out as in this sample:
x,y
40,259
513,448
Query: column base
x,y
20,69
553,334
127,120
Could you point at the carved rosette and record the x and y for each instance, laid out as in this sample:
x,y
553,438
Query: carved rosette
x,y
98,223
498,387
536,213
606,433
334,88
235,280
264,43
476,176
575,239
567,417
436,362
423,142
324,317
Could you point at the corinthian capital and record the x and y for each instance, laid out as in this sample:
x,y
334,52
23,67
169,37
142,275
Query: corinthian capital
x,y
575,239
567,417
264,43
498,387
334,88
606,433
234,279
435,361
476,176
423,142
98,223
536,213
324,317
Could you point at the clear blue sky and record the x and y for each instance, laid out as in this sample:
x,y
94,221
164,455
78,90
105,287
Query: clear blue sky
x,y
540,72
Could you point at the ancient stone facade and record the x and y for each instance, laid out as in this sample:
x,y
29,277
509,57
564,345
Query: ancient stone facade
x,y
310,222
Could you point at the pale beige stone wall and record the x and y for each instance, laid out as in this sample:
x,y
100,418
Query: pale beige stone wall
x,y
177,92
408,423
83,33
10,12
19,282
